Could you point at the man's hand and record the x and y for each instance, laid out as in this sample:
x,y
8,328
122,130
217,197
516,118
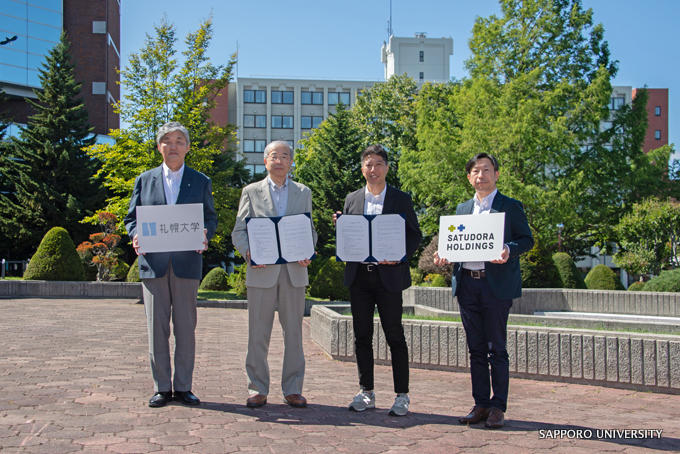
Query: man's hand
x,y
304,263
135,245
335,217
440,261
505,255
205,241
388,262
250,263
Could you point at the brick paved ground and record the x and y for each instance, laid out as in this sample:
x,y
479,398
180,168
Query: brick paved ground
x,y
74,377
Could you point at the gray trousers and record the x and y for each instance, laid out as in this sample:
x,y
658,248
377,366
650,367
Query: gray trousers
x,y
290,303
166,297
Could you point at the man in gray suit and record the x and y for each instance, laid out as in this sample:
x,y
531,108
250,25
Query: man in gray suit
x,y
274,287
170,279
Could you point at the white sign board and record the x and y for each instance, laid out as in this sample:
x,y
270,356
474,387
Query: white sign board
x,y
170,228
471,237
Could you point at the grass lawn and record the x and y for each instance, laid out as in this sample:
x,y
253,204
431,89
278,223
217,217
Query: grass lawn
x,y
13,278
217,295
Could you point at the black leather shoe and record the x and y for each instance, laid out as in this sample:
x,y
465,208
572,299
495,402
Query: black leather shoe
x,y
496,419
186,398
160,399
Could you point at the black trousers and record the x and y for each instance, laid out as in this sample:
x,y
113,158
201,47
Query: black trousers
x,y
485,319
366,293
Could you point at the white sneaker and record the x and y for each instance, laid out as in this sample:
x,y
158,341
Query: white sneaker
x,y
363,401
400,407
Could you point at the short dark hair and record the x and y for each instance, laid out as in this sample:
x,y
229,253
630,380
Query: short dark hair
x,y
471,163
377,150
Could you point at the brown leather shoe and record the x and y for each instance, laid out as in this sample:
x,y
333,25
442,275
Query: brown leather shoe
x,y
296,400
496,418
477,414
256,400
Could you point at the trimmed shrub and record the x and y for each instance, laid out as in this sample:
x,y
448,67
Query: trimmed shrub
x,y
55,259
315,266
237,281
133,272
416,276
601,277
120,271
667,281
216,279
426,261
538,268
570,276
434,280
637,286
329,282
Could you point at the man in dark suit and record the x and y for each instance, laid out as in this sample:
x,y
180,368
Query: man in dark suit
x,y
170,279
485,291
381,284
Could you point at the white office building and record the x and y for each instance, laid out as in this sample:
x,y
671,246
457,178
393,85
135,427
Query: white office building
x,y
422,58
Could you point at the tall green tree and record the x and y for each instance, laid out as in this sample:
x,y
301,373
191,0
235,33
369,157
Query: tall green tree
x,y
649,236
385,114
329,162
54,176
159,88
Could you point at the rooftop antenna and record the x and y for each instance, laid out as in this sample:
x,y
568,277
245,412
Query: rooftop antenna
x,y
389,23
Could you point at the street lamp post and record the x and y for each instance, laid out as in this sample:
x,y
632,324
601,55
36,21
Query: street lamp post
x,y
559,226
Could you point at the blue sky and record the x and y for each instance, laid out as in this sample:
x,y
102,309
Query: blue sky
x,y
341,39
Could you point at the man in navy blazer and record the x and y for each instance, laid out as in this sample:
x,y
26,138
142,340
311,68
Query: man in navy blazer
x,y
380,284
485,291
170,279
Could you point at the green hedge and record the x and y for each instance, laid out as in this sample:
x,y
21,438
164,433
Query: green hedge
x,y
237,281
329,282
570,276
216,279
434,280
55,259
133,272
636,286
601,277
667,281
538,268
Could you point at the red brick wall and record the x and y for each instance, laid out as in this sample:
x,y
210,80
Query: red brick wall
x,y
656,97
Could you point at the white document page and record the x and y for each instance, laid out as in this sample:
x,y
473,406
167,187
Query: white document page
x,y
351,238
295,236
170,228
262,241
388,232
471,237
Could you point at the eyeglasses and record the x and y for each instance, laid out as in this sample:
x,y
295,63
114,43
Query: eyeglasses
x,y
278,157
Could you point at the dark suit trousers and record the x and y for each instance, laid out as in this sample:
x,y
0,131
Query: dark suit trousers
x,y
485,319
366,293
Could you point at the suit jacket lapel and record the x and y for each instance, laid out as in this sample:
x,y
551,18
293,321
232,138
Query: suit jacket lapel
x,y
469,207
266,197
185,185
497,203
158,190
389,202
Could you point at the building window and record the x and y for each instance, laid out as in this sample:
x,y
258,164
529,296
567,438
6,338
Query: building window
x,y
310,122
253,146
282,97
98,27
337,98
617,102
421,76
255,96
657,134
421,56
657,111
254,121
282,121
311,97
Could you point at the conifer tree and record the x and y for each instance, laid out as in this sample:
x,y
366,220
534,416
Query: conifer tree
x,y
329,162
50,150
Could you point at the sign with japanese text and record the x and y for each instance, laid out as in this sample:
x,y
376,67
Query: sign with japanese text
x,y
169,228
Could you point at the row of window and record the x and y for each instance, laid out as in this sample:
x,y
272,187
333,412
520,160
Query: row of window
x,y
281,121
257,146
287,97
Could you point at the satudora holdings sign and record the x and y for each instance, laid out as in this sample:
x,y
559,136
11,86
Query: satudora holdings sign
x,y
471,237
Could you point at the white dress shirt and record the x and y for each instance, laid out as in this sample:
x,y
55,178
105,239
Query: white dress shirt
x,y
373,204
279,196
171,183
481,207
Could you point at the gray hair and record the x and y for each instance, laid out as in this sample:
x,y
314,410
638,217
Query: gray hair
x,y
169,127
275,144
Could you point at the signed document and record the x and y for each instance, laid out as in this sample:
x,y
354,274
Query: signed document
x,y
471,237
280,239
295,236
370,238
170,228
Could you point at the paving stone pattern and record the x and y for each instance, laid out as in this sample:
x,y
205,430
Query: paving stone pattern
x,y
74,377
